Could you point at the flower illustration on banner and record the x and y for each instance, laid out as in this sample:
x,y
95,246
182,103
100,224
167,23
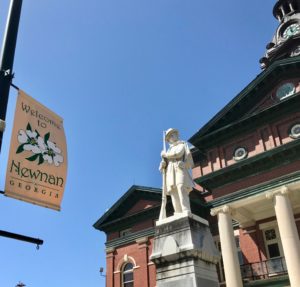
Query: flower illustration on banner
x,y
29,141
42,148
52,154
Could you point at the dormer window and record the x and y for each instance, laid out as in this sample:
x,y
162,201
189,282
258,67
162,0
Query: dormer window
x,y
286,90
295,131
240,153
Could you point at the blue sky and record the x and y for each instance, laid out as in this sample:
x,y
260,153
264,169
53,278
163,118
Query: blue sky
x,y
119,73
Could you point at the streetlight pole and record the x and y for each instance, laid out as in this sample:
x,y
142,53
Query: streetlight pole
x,y
7,58
6,75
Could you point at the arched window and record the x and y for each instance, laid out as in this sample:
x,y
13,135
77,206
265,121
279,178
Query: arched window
x,y
127,275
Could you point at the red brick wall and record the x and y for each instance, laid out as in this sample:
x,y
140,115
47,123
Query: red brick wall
x,y
250,245
148,223
110,270
263,139
141,205
151,266
112,235
253,247
138,254
250,142
143,225
252,241
256,179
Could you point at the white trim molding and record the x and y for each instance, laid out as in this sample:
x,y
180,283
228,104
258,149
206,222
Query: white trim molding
x,y
222,209
284,190
126,259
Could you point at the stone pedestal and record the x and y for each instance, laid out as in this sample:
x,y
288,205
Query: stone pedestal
x,y
184,253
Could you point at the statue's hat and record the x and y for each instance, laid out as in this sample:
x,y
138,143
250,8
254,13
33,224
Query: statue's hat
x,y
169,132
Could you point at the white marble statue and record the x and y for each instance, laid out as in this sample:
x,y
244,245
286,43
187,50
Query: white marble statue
x,y
175,166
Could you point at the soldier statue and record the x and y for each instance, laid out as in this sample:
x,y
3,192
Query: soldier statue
x,y
175,166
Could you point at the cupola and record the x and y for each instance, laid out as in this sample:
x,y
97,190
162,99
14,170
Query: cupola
x,y
286,41
284,8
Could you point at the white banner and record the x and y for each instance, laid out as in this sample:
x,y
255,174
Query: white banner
x,y
37,164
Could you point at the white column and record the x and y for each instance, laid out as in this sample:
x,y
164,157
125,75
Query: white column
x,y
289,235
229,251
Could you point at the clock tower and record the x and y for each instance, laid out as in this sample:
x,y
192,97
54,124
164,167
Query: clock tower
x,y
286,41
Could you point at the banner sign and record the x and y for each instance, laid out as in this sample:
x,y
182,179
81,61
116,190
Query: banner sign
x,y
37,164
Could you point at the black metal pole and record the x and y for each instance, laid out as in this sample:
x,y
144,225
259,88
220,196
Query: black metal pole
x,y
7,56
6,75
20,237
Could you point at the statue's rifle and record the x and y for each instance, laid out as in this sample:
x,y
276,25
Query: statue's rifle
x,y
162,214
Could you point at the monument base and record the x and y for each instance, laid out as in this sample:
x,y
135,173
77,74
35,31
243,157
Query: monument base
x,y
184,252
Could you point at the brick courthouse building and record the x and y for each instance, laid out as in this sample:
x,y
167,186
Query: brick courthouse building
x,y
247,170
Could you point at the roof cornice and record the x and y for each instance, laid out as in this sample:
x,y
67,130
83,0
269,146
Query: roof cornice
x,y
117,205
278,70
263,162
217,137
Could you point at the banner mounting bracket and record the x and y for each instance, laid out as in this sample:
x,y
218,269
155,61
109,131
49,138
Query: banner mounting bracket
x,y
14,86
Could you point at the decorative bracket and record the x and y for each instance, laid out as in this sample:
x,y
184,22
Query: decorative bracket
x,y
284,190
222,209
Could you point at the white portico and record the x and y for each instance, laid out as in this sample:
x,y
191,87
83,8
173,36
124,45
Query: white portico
x,y
281,201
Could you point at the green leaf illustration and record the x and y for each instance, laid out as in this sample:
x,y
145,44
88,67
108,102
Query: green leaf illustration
x,y
20,148
38,134
29,127
33,158
41,159
46,137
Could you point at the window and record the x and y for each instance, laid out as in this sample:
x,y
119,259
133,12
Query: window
x,y
272,242
239,250
275,264
285,90
240,153
125,232
127,275
295,131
